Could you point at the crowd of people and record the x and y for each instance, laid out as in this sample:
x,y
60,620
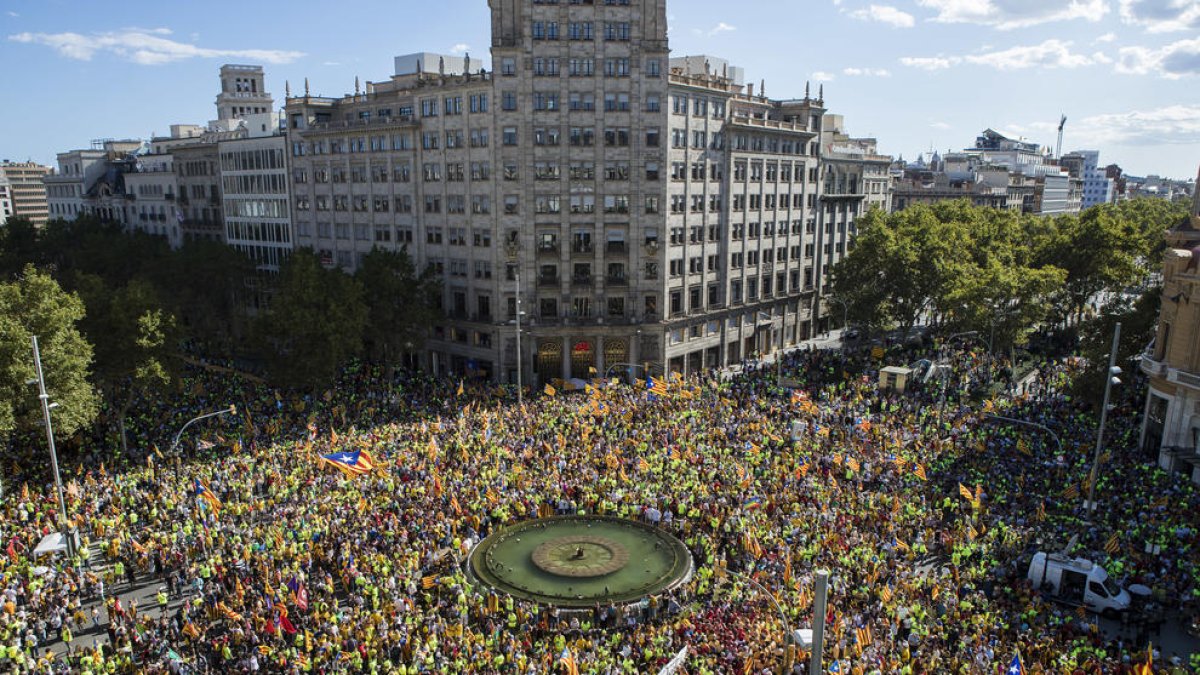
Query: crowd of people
x,y
248,554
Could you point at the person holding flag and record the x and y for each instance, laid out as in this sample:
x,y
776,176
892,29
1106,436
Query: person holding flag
x,y
204,492
353,464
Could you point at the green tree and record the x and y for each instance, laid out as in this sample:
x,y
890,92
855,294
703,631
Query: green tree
x,y
315,322
1139,323
899,265
401,304
209,285
1100,251
136,341
18,246
35,304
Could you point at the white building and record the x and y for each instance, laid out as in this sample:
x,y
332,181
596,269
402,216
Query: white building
x,y
1098,188
225,181
6,204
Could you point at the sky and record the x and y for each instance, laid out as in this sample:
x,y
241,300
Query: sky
x,y
916,74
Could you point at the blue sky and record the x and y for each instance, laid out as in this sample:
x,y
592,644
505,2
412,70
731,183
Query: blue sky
x,y
914,73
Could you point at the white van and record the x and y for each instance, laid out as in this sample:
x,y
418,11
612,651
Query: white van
x,y
1078,582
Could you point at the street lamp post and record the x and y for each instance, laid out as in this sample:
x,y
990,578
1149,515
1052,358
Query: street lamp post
x,y
520,356
845,318
1110,379
46,405
820,607
224,411
1032,425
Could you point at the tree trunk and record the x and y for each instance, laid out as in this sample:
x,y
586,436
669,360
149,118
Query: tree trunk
x,y
121,421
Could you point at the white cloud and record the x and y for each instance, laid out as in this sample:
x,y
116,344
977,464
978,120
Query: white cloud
x,y
144,46
1010,14
1171,125
1049,54
1162,16
1107,37
721,27
884,14
822,76
867,72
1172,62
460,48
12,14
939,125
930,62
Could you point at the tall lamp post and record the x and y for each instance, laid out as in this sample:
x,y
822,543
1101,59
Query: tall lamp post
x,y
231,410
46,406
1110,379
520,355
845,317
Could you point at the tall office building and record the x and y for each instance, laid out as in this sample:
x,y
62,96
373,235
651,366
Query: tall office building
x,y
644,210
27,190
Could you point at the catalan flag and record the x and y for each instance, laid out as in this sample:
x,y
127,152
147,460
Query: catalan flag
x,y
353,464
1146,668
885,594
852,463
965,492
1113,545
919,472
1015,667
567,660
202,491
656,387
549,390
460,388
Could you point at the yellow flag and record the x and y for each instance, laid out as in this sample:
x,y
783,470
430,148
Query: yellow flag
x,y
460,387
550,390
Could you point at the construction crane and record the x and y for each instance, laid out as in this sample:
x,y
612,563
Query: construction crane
x,y
1061,125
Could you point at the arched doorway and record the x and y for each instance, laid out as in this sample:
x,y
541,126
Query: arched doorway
x,y
616,350
549,361
583,357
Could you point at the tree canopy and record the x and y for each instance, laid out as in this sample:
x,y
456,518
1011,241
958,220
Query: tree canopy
x,y
998,273
34,304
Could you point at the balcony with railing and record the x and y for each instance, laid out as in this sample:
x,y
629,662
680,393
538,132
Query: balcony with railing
x,y
616,248
547,280
616,280
1164,370
548,248
582,248
582,280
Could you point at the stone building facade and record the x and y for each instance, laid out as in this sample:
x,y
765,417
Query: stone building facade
x,y
649,212
1171,424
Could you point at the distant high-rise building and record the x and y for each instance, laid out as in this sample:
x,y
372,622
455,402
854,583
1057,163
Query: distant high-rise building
x,y
1098,188
27,190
